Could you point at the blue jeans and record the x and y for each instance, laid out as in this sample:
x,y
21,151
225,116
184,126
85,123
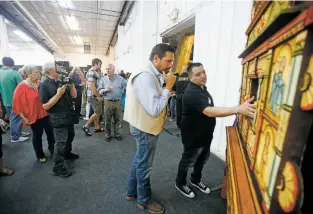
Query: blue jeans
x,y
172,107
139,177
16,124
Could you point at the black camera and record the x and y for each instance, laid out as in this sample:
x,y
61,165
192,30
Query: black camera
x,y
63,74
63,78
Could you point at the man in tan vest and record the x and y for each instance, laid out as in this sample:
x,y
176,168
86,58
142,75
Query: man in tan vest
x,y
144,110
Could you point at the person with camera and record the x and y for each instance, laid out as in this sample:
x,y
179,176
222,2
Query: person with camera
x,y
57,96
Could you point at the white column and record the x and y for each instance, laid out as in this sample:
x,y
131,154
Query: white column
x,y
4,40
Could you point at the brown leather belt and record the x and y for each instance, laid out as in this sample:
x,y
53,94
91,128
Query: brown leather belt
x,y
112,100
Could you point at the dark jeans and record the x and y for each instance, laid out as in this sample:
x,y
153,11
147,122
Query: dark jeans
x,y
139,176
179,109
63,144
112,110
192,157
78,104
37,129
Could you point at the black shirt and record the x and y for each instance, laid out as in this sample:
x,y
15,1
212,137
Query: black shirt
x,y
48,89
197,128
181,84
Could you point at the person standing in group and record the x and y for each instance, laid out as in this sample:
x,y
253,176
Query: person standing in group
x,y
58,102
26,104
180,87
145,111
197,127
76,76
94,97
9,79
111,87
3,170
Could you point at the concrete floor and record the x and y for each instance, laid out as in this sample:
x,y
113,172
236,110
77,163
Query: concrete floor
x,y
99,179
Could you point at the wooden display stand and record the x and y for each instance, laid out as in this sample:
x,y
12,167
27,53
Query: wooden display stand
x,y
264,156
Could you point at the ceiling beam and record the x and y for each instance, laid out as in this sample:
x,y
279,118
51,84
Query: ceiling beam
x,y
27,16
116,27
17,23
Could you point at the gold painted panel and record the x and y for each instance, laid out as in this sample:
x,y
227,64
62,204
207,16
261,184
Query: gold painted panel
x,y
307,88
267,18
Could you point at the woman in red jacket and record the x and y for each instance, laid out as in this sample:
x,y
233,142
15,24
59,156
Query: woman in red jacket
x,y
26,103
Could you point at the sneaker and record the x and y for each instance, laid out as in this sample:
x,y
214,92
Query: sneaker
x,y
43,160
20,139
119,138
201,186
108,138
186,191
152,207
130,197
71,156
25,134
62,172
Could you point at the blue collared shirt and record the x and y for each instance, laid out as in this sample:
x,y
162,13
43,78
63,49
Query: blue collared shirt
x,y
118,85
144,86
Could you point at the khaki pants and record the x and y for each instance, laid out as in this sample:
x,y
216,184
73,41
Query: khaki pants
x,y
112,110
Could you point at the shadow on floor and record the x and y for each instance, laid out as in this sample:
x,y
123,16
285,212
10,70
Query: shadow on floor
x,y
99,179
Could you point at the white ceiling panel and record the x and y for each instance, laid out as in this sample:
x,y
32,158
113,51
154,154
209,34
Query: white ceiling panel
x,y
71,23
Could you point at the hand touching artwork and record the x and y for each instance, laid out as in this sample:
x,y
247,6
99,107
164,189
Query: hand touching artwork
x,y
247,108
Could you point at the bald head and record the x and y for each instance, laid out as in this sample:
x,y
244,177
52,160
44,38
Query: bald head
x,y
110,70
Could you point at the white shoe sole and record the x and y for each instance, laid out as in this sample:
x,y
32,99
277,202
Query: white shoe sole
x,y
188,196
201,189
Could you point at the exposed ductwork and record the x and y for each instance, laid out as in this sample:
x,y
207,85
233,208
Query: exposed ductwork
x,y
126,10
22,10
17,22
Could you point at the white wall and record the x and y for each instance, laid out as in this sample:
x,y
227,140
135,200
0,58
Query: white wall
x,y
77,59
137,37
219,39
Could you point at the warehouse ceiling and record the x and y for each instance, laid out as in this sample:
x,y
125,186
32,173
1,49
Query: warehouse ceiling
x,y
66,26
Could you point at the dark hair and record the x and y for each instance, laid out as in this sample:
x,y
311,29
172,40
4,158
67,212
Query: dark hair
x,y
191,66
160,50
96,61
8,61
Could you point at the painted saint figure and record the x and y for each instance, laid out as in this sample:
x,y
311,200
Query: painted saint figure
x,y
278,84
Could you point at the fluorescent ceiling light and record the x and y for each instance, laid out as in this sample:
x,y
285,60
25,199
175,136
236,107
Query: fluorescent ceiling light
x,y
71,22
12,46
65,3
22,35
77,40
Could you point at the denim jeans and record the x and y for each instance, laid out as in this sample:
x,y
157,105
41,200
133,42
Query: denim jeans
x,y
172,107
139,177
16,124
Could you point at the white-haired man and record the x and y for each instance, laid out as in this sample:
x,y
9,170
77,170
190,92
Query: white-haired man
x,y
111,87
57,100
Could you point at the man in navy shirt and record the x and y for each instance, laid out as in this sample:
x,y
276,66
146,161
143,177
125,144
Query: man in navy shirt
x,y
197,127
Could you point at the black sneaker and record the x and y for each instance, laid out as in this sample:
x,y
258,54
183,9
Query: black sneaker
x,y
201,186
186,191
119,138
62,172
108,138
71,156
